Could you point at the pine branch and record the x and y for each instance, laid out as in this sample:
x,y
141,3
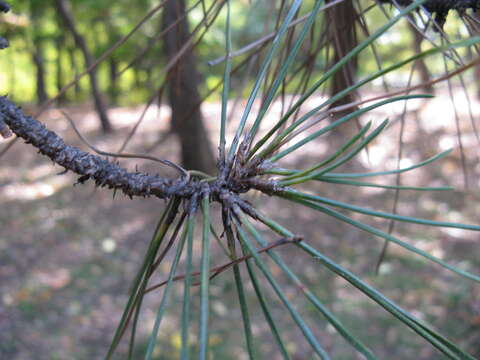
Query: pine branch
x,y
225,189
440,5
440,8
88,166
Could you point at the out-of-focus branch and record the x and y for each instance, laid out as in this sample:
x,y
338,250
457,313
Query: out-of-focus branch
x,y
440,8
4,7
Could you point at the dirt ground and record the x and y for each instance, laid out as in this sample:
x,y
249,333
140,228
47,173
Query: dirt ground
x,y
68,253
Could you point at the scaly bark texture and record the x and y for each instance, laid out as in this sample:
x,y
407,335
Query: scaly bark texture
x,y
89,166
226,189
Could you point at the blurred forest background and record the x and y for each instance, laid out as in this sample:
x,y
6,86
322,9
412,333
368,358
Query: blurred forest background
x,y
67,255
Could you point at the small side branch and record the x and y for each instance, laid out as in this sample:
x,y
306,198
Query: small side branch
x,y
219,269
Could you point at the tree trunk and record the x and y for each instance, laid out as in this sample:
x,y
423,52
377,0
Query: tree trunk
x,y
113,64
342,36
340,25
39,61
183,93
12,74
59,78
476,32
37,52
65,13
113,85
75,69
420,65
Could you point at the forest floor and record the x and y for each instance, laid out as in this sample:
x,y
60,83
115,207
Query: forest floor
x,y
68,254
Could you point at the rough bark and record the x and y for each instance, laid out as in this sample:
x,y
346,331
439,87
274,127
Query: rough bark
x,y
88,166
183,93
225,189
65,13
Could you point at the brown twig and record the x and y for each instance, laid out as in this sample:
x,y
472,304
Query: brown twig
x,y
409,89
219,269
123,155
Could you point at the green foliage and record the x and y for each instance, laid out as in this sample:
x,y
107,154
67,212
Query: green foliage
x,y
103,22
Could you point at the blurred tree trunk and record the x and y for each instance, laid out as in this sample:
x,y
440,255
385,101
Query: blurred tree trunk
x,y
340,25
37,52
59,78
340,22
183,93
149,81
420,65
74,65
476,30
113,64
39,61
65,13
113,85
12,75
477,76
